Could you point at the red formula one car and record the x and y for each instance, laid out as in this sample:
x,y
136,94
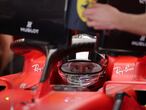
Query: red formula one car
x,y
71,84
56,81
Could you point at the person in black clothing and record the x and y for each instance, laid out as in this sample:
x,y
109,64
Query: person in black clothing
x,y
6,54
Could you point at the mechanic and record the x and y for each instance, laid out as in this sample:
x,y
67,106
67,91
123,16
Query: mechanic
x,y
104,16
5,52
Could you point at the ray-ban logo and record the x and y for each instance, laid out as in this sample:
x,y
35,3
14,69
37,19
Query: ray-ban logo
x,y
37,68
124,69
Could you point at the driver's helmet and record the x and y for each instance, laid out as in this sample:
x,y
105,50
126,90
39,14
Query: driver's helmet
x,y
83,72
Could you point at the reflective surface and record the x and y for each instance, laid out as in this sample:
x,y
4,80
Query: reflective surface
x,y
80,72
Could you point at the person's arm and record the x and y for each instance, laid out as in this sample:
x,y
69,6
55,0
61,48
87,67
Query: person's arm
x,y
132,23
5,51
103,16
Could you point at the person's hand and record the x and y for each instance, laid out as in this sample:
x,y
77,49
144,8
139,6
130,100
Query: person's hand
x,y
102,16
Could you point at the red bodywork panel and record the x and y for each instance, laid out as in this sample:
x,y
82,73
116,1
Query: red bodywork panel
x,y
12,99
74,101
127,68
32,71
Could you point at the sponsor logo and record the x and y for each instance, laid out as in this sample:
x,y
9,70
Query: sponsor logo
x,y
23,85
140,43
29,29
123,69
37,68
